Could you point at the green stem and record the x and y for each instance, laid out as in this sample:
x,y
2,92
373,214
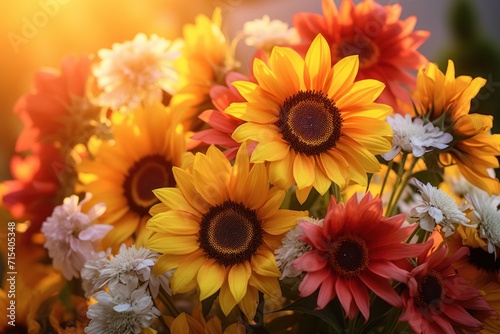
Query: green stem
x,y
335,191
401,170
392,322
167,303
386,177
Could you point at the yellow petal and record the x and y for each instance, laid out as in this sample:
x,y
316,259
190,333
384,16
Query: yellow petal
x,y
282,221
174,222
271,151
238,280
302,194
253,112
269,285
210,278
281,171
268,80
256,187
318,63
344,73
248,305
361,92
173,244
303,170
239,174
174,199
226,299
264,263
273,202
186,272
261,133
288,67
186,185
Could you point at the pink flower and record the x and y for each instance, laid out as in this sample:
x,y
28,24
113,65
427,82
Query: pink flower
x,y
438,299
70,234
355,251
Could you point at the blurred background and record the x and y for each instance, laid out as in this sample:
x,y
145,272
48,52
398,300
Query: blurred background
x,y
37,33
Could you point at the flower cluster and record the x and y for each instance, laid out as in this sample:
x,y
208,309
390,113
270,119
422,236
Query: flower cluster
x,y
342,185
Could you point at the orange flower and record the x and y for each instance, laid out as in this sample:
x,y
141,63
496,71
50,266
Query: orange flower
x,y
387,46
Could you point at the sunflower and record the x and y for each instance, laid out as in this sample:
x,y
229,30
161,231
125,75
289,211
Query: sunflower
x,y
219,229
147,144
446,101
205,60
387,46
312,122
197,324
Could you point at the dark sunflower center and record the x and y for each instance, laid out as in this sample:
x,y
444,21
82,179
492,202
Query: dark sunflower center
x,y
483,260
367,51
430,292
230,233
348,256
310,122
147,174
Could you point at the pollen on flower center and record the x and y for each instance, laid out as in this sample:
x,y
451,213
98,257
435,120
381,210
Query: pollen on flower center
x,y
367,51
483,260
230,233
348,256
147,174
430,291
310,122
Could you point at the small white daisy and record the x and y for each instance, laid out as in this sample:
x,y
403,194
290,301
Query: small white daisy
x,y
70,234
292,247
412,136
487,216
437,208
136,71
124,309
265,33
131,266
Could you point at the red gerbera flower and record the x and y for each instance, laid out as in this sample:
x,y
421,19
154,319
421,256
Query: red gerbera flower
x,y
387,46
57,108
356,250
438,300
222,123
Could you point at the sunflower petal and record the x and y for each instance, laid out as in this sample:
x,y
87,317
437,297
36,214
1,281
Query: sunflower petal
x,y
211,276
238,280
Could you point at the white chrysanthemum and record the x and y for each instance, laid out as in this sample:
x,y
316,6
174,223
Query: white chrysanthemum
x,y
70,234
266,33
487,216
131,266
124,309
437,208
136,71
412,136
292,247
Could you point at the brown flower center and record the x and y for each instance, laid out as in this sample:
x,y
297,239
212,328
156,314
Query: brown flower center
x,y
230,233
348,256
149,173
430,291
310,122
483,260
367,51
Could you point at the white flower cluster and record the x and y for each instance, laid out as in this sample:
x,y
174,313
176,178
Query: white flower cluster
x,y
70,234
412,136
265,33
487,216
127,304
136,71
292,247
438,208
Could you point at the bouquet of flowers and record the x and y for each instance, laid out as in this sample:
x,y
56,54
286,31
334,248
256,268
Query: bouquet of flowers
x,y
340,185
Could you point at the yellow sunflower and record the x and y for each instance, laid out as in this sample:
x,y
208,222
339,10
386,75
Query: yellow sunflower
x,y
446,101
205,60
219,229
147,144
312,122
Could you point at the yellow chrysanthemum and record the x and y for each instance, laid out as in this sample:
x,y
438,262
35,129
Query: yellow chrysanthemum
x,y
196,324
312,122
446,101
219,229
205,60
147,144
